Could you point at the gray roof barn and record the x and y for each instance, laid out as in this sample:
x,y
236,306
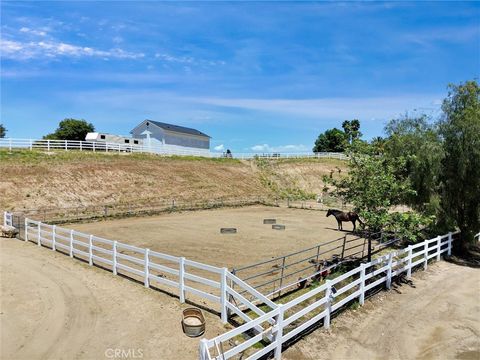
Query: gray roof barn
x,y
169,134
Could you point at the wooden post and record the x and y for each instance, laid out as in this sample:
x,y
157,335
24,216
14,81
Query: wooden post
x,y
279,333
361,300
409,270
425,256
318,254
53,237
114,258
439,245
71,243
147,269
343,249
90,250
328,295
181,279
449,252
223,296
281,276
369,256
389,271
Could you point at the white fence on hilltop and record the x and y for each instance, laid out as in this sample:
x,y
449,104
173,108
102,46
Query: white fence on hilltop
x,y
166,150
308,310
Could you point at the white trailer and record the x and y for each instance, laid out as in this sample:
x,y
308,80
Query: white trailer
x,y
114,139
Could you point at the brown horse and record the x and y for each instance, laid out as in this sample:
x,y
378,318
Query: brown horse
x,y
345,216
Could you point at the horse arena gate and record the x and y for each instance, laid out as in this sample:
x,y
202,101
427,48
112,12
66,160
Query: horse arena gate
x,y
263,321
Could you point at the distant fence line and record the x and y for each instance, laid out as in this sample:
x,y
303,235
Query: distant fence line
x,y
89,212
165,150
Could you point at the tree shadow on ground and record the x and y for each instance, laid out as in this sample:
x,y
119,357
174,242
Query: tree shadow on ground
x,y
469,257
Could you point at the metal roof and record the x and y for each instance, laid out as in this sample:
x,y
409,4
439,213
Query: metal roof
x,y
176,128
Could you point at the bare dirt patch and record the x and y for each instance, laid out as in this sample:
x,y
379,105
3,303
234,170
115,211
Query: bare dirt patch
x,y
54,307
196,235
438,318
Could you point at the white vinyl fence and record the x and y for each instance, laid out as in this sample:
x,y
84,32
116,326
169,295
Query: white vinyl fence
x,y
185,276
95,146
7,219
292,318
264,321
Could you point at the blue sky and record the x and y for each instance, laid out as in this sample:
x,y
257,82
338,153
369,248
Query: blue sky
x,y
259,76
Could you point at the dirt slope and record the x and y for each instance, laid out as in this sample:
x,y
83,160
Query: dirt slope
x,y
35,180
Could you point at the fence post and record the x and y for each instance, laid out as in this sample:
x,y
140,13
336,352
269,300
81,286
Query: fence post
x,y
223,295
204,354
90,250
31,144
114,258
48,145
449,252
281,277
26,230
362,284
328,295
93,146
409,270
10,145
343,249
53,237
66,145
279,333
389,271
181,279
425,255
5,218
80,147
439,245
71,243
39,240
147,270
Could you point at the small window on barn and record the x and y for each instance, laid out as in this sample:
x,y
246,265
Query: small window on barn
x,y
148,123
102,137
135,141
127,141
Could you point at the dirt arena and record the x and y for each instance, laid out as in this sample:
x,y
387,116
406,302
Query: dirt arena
x,y
196,235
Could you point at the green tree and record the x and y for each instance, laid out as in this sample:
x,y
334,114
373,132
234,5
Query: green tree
x,y
351,129
460,167
418,141
71,129
373,187
3,131
333,140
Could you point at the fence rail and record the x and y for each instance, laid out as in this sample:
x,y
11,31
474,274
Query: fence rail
x,y
186,277
165,150
316,306
265,322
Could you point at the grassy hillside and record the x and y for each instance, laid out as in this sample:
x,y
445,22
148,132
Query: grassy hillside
x,y
63,179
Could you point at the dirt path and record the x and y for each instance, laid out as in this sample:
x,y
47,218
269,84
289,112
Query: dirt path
x,y
56,308
438,319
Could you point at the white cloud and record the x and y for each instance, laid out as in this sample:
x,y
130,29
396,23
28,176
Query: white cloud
x,y
38,32
16,50
219,147
281,148
117,39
